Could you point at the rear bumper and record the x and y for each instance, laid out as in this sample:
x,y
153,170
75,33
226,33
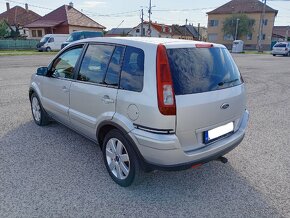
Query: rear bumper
x,y
165,152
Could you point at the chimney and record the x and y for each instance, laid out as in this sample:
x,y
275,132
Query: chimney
x,y
71,4
7,6
26,7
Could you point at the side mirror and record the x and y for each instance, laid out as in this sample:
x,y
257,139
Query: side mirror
x,y
42,71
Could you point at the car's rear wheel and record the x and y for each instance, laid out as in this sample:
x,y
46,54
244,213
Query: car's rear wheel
x,y
274,55
120,159
48,49
38,113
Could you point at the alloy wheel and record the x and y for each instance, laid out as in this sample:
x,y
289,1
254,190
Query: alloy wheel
x,y
36,110
117,158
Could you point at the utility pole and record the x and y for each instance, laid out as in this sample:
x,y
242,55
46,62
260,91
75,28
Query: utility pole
x,y
237,26
261,27
149,12
142,21
185,28
198,32
287,34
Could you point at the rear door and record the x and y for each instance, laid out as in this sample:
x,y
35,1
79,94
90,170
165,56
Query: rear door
x,y
208,90
93,93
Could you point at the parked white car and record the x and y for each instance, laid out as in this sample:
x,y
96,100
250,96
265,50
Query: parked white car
x,y
281,48
51,42
150,103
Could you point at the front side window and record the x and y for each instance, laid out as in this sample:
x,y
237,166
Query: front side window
x,y
95,63
196,70
63,66
133,70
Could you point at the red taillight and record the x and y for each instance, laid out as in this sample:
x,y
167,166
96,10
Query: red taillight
x,y
165,91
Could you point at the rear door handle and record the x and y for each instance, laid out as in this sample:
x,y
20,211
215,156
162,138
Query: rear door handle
x,y
107,100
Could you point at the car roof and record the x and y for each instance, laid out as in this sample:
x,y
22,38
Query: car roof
x,y
141,41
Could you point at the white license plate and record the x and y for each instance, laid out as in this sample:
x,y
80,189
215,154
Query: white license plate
x,y
218,132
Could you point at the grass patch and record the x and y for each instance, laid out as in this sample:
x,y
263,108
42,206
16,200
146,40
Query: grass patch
x,y
24,52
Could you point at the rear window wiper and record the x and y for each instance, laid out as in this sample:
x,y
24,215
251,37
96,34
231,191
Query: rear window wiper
x,y
227,81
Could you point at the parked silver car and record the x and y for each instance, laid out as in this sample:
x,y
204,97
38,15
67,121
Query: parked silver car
x,y
281,48
150,103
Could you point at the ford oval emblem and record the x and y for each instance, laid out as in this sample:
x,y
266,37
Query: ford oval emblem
x,y
225,106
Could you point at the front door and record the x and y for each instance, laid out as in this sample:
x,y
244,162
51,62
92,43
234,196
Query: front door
x,y
56,87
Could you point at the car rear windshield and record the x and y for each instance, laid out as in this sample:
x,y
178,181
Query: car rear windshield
x,y
280,45
196,70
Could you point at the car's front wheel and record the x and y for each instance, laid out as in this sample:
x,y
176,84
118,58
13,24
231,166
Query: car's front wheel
x,y
39,114
120,158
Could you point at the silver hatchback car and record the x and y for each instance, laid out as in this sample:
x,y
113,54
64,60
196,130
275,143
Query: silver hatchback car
x,y
281,48
150,103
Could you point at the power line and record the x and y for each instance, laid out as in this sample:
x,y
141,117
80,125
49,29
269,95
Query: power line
x,y
31,5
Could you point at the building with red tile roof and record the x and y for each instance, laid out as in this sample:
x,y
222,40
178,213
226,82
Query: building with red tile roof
x,y
253,9
63,20
17,17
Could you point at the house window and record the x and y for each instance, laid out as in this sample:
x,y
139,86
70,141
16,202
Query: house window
x,y
263,36
137,30
250,36
265,22
33,32
228,37
213,23
212,37
251,22
39,33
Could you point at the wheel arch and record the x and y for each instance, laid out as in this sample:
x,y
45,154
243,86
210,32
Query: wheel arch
x,y
107,126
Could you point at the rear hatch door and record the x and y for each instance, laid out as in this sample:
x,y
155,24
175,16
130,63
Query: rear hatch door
x,y
209,94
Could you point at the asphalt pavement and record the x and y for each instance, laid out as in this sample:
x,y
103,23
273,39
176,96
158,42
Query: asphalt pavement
x,y
54,172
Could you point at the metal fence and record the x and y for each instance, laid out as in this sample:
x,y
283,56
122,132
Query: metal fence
x,y
18,44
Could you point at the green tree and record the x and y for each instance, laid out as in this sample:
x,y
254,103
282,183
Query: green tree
x,y
242,22
4,29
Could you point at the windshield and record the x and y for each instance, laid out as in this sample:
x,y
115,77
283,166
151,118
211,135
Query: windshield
x,y
44,39
75,36
280,45
196,70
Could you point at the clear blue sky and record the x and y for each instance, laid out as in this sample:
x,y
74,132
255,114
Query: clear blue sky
x,y
110,13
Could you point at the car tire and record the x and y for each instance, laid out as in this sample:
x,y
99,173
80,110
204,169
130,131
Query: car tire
x,y
120,159
274,55
48,49
39,115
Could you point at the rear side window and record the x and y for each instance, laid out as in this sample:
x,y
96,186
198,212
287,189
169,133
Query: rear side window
x,y
113,73
95,63
196,70
133,70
